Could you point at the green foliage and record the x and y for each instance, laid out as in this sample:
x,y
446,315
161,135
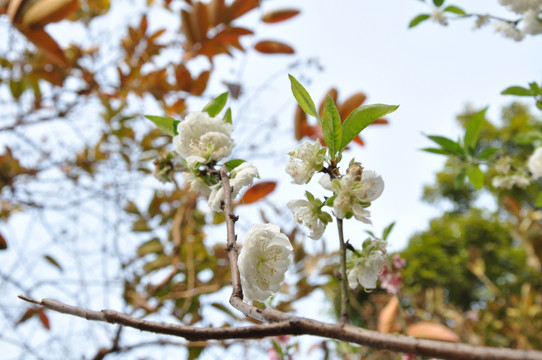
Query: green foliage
x,y
167,125
418,19
215,106
455,10
443,255
303,98
332,127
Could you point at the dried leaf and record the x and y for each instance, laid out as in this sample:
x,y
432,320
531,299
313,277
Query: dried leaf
x,y
44,319
47,44
279,15
240,8
44,12
387,316
53,262
273,47
200,84
3,242
258,192
427,330
27,315
351,103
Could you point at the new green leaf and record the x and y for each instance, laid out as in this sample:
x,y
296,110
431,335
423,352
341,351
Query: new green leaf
x,y
473,129
332,127
167,125
418,19
448,145
360,118
232,164
517,91
303,98
455,10
476,176
215,106
227,116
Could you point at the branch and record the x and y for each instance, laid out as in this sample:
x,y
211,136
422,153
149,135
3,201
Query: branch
x,y
294,325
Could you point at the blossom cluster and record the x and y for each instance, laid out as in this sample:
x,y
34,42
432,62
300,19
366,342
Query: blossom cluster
x,y
203,140
364,267
530,22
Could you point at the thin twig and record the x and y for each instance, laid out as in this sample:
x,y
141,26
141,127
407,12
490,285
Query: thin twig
x,y
345,299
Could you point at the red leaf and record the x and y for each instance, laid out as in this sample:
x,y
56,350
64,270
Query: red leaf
x,y
273,47
279,15
44,319
3,242
258,192
27,315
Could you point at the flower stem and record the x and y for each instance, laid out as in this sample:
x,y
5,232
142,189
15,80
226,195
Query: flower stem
x,y
345,319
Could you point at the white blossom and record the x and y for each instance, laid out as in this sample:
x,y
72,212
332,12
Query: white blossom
x,y
353,194
364,268
481,21
240,177
306,214
535,163
521,6
264,259
532,24
508,182
305,161
508,30
438,16
203,138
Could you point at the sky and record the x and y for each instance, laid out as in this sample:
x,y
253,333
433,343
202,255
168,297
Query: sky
x,y
432,72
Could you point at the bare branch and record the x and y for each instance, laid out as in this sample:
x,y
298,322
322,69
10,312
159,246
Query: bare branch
x,y
293,325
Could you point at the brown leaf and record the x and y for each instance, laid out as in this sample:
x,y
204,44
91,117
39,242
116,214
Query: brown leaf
x,y
240,8
334,93
27,315
200,84
279,15
183,77
387,316
216,10
350,104
186,28
44,319
273,47
427,330
47,44
3,242
44,12
258,192
300,123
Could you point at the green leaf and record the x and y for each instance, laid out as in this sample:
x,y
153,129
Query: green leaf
x,y
418,19
538,202
232,164
460,178
167,125
448,145
539,105
455,10
528,137
438,2
216,105
303,98
473,129
227,116
152,246
535,88
476,176
387,231
360,118
53,262
332,127
436,151
486,154
517,91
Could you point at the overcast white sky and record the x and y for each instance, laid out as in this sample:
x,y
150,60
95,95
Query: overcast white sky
x,y
431,71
